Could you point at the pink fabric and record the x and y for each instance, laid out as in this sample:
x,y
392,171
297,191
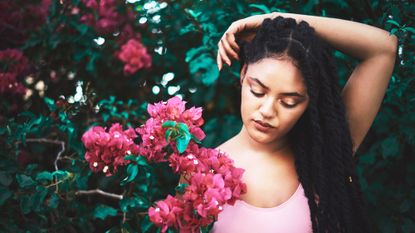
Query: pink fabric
x,y
292,216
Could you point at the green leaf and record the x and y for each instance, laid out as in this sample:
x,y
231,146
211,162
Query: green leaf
x,y
192,53
393,22
5,178
181,188
390,147
394,30
410,29
169,124
26,204
103,211
168,134
45,175
53,201
263,8
132,171
60,174
38,198
133,202
183,128
182,142
204,69
24,181
146,224
4,194
50,103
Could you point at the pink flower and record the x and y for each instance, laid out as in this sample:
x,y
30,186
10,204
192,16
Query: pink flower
x,y
166,213
15,65
106,150
135,57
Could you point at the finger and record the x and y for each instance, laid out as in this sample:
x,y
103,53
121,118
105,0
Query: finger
x,y
219,61
230,37
228,49
223,55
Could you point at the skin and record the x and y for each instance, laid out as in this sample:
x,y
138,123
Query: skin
x,y
264,97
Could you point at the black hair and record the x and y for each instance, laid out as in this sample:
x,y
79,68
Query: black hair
x,y
321,138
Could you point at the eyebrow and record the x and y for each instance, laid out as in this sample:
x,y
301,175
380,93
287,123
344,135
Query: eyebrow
x,y
284,93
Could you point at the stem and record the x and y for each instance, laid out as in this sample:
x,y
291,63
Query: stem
x,y
100,192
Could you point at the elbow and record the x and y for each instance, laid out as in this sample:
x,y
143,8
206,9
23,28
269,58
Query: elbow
x,y
392,46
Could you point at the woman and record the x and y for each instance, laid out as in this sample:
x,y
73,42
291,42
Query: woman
x,y
299,132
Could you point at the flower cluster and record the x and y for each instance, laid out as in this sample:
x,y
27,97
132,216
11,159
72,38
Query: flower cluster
x,y
153,134
106,20
213,179
106,150
21,20
213,182
135,57
15,65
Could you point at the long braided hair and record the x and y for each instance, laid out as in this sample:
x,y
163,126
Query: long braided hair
x,y
321,139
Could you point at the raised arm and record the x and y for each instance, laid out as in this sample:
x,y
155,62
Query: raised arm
x,y
373,47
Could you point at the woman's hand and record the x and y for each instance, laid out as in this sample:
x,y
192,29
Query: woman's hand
x,y
243,29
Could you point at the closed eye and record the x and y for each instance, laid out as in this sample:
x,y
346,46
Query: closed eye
x,y
257,94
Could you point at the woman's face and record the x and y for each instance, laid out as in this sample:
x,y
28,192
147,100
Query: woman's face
x,y
273,93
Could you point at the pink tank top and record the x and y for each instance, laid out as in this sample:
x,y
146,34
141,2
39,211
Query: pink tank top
x,y
292,216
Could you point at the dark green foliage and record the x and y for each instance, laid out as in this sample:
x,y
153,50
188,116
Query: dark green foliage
x,y
42,164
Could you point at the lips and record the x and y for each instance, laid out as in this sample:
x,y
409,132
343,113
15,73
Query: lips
x,y
263,124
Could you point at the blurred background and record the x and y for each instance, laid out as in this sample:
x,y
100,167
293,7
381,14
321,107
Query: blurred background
x,y
70,64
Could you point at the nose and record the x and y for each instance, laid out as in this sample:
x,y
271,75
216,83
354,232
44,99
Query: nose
x,y
267,108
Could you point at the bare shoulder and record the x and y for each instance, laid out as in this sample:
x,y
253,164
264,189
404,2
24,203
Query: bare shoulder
x,y
229,147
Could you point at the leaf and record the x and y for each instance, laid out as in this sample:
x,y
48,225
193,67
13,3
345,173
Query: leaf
x,y
390,147
24,181
4,195
181,188
26,204
182,142
50,103
103,211
38,198
132,171
410,29
192,53
169,124
394,30
146,224
5,178
261,7
204,69
61,174
168,134
134,202
393,22
45,175
53,201
183,128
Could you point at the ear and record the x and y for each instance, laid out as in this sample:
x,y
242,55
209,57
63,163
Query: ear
x,y
243,72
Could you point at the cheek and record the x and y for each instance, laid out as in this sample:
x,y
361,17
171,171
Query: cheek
x,y
248,104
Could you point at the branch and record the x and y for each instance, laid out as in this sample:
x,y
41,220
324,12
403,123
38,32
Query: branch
x,y
45,140
100,192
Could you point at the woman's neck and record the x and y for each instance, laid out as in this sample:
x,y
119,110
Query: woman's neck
x,y
279,147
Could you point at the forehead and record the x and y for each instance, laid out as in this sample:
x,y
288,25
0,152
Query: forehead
x,y
279,74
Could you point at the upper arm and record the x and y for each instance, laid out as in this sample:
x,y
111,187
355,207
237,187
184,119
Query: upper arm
x,y
364,92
